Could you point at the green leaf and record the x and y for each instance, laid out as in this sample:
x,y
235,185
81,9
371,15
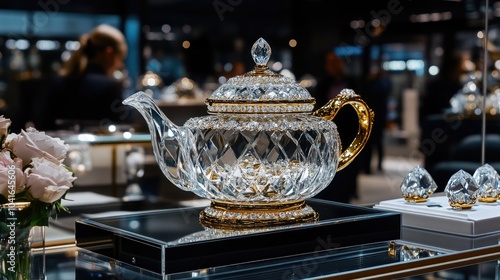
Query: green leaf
x,y
41,213
3,227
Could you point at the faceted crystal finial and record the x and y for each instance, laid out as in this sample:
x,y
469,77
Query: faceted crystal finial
x,y
487,180
261,52
418,185
461,190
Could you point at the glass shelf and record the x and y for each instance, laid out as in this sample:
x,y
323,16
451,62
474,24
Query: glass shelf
x,y
164,241
380,260
314,264
395,258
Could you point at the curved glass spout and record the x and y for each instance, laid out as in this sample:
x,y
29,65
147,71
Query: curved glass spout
x,y
171,143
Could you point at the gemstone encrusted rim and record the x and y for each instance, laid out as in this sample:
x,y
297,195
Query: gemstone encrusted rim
x,y
293,122
260,108
230,216
279,215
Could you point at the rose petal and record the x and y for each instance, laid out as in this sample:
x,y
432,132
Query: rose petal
x,y
37,184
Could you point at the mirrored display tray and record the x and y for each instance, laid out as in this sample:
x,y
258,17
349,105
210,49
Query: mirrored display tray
x,y
173,240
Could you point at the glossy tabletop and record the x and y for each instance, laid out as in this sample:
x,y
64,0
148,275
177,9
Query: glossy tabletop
x,y
380,260
407,257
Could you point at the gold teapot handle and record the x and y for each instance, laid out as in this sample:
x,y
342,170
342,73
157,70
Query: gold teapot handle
x,y
365,116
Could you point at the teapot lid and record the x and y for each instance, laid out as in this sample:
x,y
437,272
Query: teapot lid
x,y
260,91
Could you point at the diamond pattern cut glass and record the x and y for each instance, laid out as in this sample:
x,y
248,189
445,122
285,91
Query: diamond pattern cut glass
x,y
461,190
487,180
418,185
265,164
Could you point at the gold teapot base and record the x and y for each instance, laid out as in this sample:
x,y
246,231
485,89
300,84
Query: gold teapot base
x,y
225,215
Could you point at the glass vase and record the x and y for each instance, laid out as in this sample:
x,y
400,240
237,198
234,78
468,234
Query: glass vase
x,y
22,248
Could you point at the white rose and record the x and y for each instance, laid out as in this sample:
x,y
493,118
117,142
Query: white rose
x,y
33,143
11,174
4,126
48,181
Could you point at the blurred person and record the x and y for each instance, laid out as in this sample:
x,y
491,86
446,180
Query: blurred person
x,y
86,87
376,95
344,185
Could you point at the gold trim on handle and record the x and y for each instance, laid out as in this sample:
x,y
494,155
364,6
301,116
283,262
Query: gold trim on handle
x,y
365,116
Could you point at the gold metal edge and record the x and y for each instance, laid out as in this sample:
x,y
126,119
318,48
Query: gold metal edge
x,y
210,102
287,205
228,224
462,206
366,118
416,199
257,107
488,199
238,225
261,71
422,266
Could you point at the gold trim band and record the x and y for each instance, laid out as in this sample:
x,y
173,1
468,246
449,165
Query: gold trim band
x,y
462,206
224,215
487,199
260,107
261,71
416,199
211,102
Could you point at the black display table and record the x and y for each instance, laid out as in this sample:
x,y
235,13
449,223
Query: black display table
x,y
173,241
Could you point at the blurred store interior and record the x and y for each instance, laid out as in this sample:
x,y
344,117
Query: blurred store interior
x,y
181,51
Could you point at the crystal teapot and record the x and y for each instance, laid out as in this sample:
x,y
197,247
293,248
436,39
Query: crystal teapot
x,y
260,152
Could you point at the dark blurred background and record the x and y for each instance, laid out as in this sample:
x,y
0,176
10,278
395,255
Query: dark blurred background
x,y
36,36
411,43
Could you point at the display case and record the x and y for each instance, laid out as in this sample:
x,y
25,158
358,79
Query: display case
x,y
106,156
174,241
393,259
137,245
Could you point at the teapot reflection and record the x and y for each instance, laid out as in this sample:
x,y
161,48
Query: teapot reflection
x,y
260,153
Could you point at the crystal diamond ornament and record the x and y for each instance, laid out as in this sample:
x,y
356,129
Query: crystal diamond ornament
x,y
487,180
261,52
409,253
461,190
418,185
